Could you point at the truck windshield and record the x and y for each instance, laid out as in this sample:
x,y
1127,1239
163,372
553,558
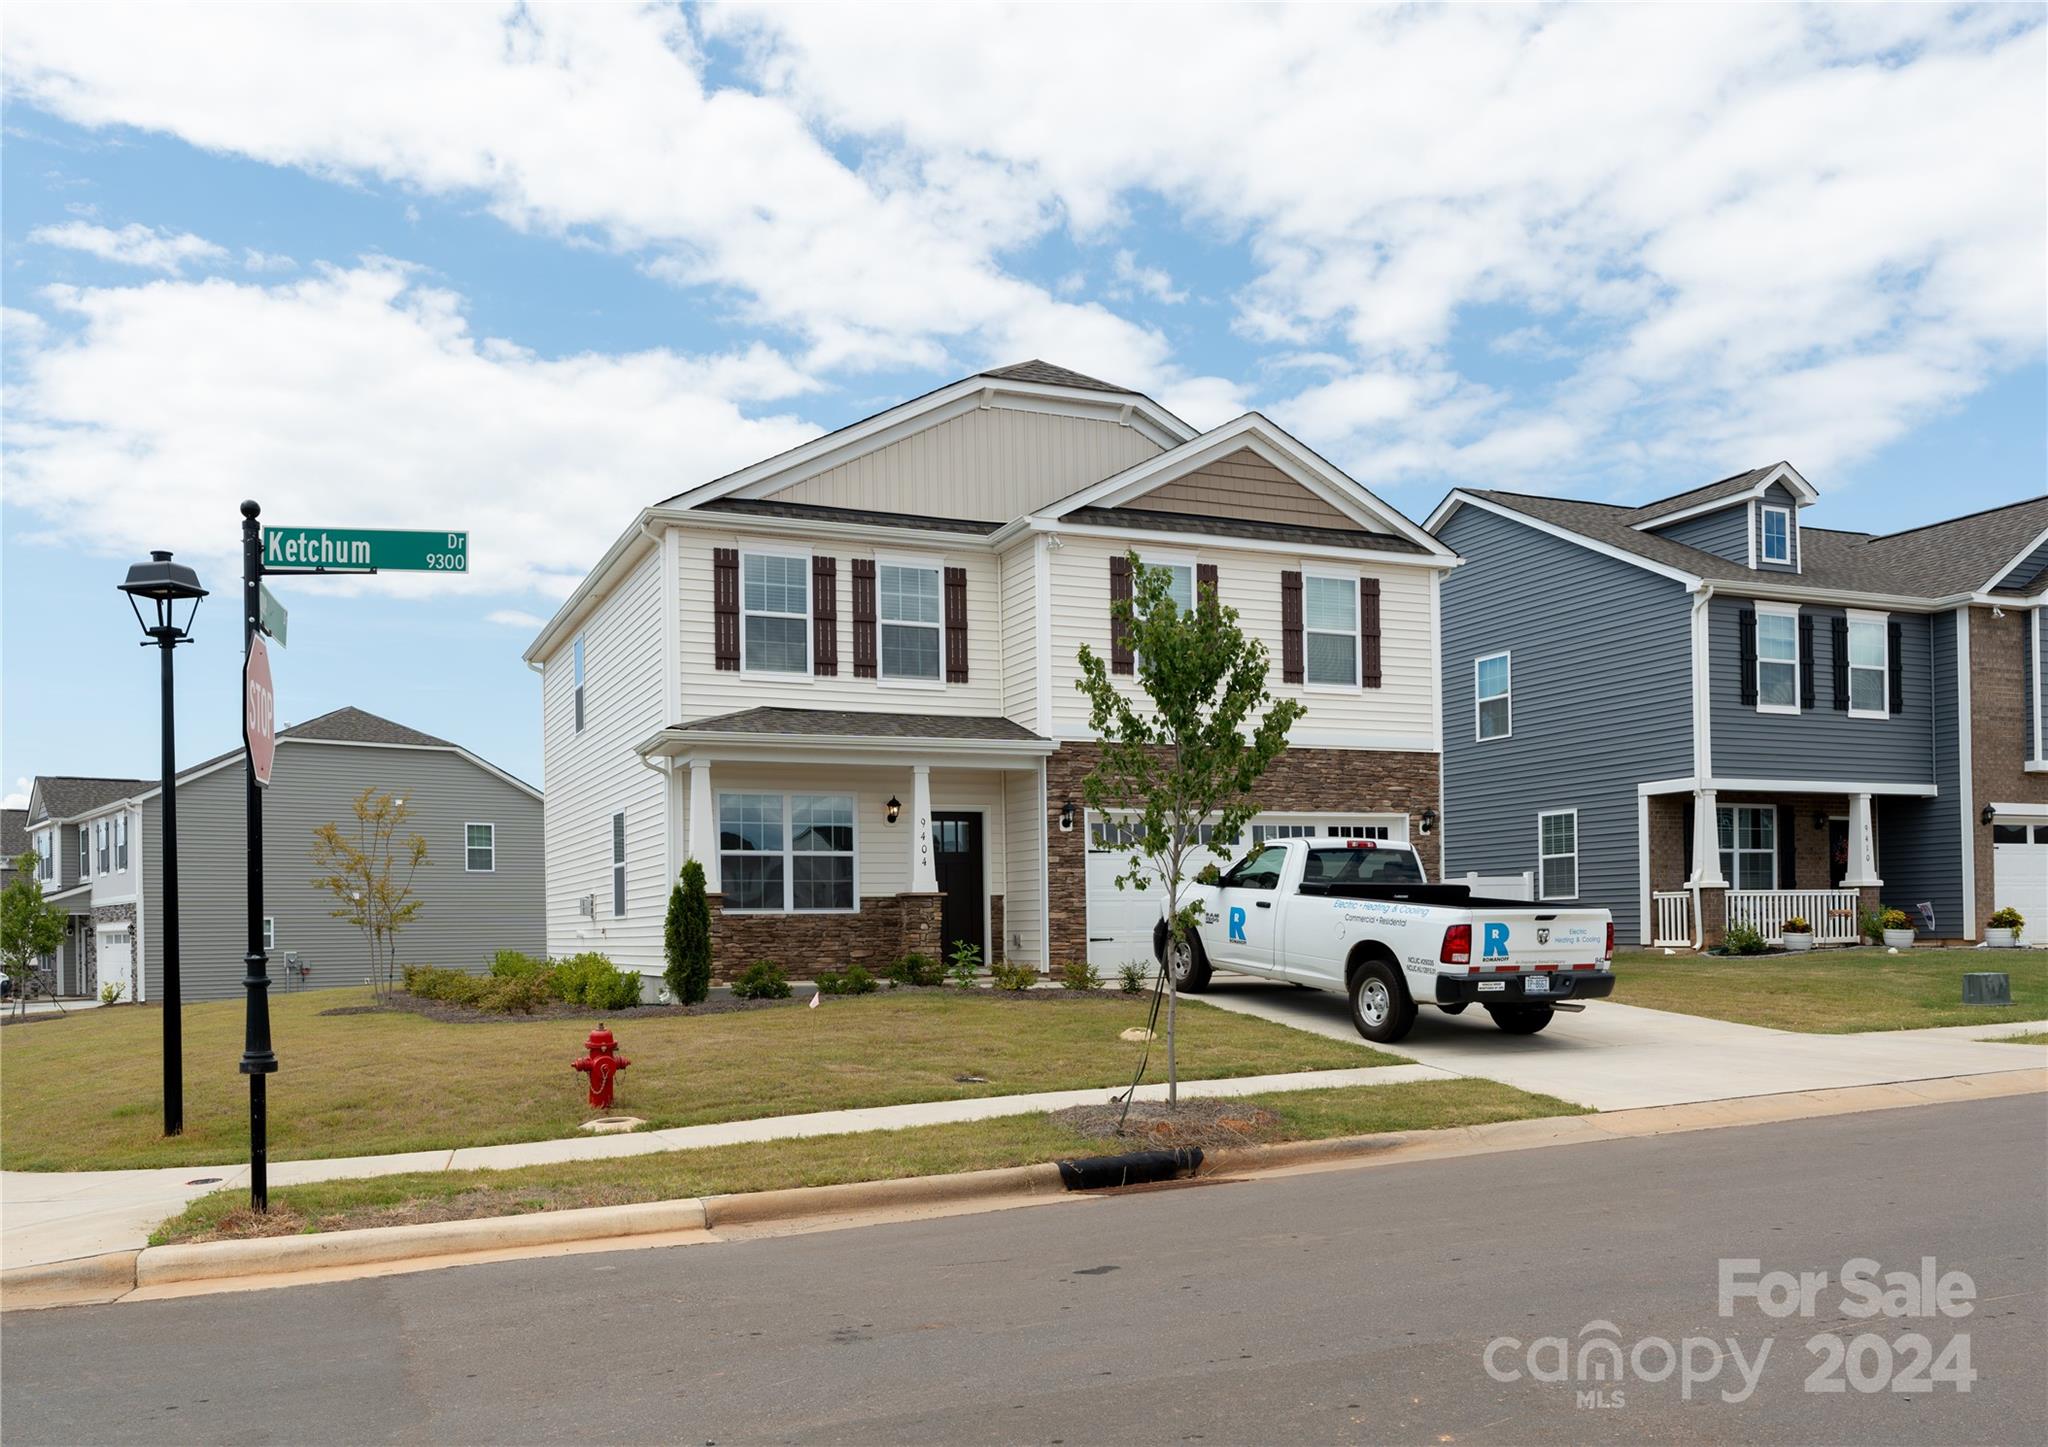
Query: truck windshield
x,y
1360,866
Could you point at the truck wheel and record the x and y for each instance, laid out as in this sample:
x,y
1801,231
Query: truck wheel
x,y
1190,965
1520,1019
1380,1007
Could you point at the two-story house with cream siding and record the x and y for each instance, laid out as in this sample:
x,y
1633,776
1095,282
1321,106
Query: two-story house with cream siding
x,y
843,679
1704,711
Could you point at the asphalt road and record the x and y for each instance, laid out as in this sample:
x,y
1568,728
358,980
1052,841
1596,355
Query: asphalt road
x,y
1344,1306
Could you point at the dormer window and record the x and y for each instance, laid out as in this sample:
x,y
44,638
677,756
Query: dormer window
x,y
1777,535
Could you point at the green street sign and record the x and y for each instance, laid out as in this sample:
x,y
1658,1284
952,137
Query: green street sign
x,y
356,549
270,614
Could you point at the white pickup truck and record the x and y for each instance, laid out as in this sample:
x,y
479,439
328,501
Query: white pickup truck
x,y
1358,915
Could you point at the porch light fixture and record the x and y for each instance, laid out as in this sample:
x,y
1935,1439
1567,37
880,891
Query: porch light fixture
x,y
1067,817
1820,819
1987,815
895,807
1428,821
167,584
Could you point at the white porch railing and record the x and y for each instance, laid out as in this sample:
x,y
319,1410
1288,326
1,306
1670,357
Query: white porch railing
x,y
1674,919
1499,886
1831,912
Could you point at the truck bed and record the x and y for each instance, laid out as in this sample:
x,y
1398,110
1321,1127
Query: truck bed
x,y
1448,895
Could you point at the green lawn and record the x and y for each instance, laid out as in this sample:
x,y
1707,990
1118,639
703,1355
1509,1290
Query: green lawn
x,y
818,1161
85,1093
1833,992
2038,1037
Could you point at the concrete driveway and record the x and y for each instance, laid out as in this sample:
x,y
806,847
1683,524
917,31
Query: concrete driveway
x,y
1619,1057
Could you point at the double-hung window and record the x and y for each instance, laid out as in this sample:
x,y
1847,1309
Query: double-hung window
x,y
907,605
1492,686
618,866
775,612
1776,531
1777,659
1749,845
1557,848
1869,666
1329,624
480,848
1180,585
46,850
105,834
786,851
85,851
577,650
121,841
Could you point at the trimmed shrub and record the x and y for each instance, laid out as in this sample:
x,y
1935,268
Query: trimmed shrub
x,y
686,937
1008,976
591,980
1080,975
512,965
514,996
1131,978
1742,940
763,980
917,969
853,980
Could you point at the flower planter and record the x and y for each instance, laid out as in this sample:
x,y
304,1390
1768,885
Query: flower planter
x,y
2002,939
1899,939
1798,943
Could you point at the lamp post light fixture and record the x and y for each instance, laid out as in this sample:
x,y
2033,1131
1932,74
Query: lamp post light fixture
x,y
167,584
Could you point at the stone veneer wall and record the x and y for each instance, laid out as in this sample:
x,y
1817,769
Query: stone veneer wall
x,y
1368,781
884,929
115,914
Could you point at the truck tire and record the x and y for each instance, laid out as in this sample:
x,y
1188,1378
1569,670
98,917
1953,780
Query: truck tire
x,y
1380,1008
1520,1019
1190,966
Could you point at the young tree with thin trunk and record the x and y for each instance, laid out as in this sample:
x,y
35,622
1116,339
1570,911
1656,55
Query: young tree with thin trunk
x,y
370,875
30,926
1181,751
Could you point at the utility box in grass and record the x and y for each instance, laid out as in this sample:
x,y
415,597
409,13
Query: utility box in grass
x,y
1987,989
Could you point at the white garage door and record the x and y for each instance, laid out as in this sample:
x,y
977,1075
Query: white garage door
x,y
1120,920
2019,875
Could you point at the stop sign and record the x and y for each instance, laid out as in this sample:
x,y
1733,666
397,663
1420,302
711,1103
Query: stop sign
x,y
259,710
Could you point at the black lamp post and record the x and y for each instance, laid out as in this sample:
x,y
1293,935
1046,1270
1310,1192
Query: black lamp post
x,y
166,584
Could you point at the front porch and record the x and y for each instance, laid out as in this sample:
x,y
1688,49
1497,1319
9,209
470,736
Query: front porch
x,y
829,839
1757,857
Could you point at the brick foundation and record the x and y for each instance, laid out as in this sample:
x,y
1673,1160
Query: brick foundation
x,y
1713,917
1361,781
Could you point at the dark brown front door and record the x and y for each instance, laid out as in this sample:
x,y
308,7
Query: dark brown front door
x,y
957,861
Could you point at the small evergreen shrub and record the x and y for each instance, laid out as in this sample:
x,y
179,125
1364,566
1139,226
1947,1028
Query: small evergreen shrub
x,y
853,980
963,968
1008,976
514,996
1080,975
1742,940
513,965
1131,978
916,969
591,980
686,937
763,980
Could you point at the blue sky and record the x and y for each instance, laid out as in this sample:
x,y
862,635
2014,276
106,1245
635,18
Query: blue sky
x,y
523,271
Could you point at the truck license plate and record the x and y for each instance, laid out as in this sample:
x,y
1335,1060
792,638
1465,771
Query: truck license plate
x,y
1487,987
1536,985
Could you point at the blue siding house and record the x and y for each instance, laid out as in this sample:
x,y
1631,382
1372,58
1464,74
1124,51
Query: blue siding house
x,y
1705,711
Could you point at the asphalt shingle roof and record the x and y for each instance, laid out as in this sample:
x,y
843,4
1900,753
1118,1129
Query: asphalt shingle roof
x,y
1727,487
1049,375
13,835
1937,561
848,723
66,796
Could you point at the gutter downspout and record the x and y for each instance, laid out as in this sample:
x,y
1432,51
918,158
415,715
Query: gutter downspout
x,y
1702,743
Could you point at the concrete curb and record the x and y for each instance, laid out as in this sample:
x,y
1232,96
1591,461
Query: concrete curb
x,y
908,1192
82,1282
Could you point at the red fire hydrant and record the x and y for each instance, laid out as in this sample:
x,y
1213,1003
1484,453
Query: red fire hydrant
x,y
601,1065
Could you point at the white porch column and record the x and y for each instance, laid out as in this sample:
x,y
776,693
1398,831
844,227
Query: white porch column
x,y
924,878
1706,841
1862,867
704,824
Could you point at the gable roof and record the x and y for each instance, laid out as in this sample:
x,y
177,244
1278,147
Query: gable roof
x,y
1728,487
1940,560
1036,370
66,796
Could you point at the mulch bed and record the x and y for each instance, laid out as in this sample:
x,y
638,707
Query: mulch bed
x,y
1210,1124
400,1002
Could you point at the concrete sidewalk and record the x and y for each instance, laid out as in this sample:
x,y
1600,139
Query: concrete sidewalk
x,y
61,1215
1621,1057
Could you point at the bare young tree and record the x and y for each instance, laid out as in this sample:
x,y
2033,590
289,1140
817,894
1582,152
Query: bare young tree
x,y
370,875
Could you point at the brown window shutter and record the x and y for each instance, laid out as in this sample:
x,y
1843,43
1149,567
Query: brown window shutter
x,y
825,617
863,617
1205,577
956,625
725,608
1120,660
1290,628
1369,629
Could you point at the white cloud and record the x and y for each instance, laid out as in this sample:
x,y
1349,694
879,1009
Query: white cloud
x,y
515,618
133,245
254,260
361,396
17,797
1150,280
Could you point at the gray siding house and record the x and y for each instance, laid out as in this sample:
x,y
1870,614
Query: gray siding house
x,y
1703,712
483,888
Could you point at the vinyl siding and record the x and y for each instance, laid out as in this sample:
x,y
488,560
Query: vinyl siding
x,y
1399,714
1024,871
1920,841
1243,485
1777,495
464,919
2029,567
116,885
1018,568
708,691
1601,685
989,464
1723,533
1819,743
594,774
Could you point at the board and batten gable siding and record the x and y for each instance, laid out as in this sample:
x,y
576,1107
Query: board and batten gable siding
x,y
1920,841
1243,485
1724,533
1777,495
1400,714
1601,665
1019,569
990,464
594,774
1819,743
708,690
464,917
